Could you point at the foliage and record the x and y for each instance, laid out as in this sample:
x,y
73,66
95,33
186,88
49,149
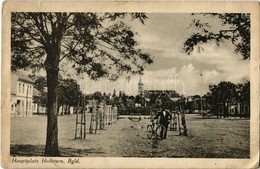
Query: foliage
x,y
153,97
191,105
40,84
68,92
97,44
243,91
224,91
227,92
98,96
237,31
85,39
124,99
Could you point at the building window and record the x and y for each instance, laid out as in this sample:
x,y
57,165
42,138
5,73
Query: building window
x,y
19,88
27,90
34,107
23,88
12,107
22,105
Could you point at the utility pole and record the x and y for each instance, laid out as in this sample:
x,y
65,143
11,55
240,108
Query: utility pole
x,y
201,103
26,100
128,77
140,87
175,82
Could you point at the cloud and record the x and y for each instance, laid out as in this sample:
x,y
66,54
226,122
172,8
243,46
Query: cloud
x,y
163,36
215,65
223,62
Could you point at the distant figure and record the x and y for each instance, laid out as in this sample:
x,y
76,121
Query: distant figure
x,y
164,119
158,103
174,122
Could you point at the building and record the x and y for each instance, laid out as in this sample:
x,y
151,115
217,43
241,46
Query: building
x,y
172,94
21,95
241,109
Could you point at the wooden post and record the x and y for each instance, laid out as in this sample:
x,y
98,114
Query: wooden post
x,y
179,126
77,118
91,118
84,116
96,119
103,116
183,121
81,119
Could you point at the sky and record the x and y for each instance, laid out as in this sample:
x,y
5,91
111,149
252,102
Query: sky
x,y
163,36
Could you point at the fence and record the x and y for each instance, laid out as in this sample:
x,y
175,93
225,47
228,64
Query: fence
x,y
101,116
110,114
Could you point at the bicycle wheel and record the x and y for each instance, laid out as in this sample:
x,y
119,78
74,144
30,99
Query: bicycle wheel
x,y
149,130
158,131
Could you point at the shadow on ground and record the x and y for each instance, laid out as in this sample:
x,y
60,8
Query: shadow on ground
x,y
38,150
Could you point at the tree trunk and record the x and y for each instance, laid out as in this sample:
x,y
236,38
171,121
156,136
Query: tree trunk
x,y
225,109
62,109
51,66
38,108
66,109
216,107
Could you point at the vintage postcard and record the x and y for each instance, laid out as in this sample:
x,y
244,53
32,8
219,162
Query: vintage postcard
x,y
130,84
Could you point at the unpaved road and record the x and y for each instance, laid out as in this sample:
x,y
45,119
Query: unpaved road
x,y
207,138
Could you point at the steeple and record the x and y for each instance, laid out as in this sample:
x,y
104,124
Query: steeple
x,y
140,87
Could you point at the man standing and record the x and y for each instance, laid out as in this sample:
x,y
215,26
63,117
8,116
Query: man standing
x,y
164,119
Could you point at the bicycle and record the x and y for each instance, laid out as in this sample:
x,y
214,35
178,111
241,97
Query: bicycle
x,y
154,131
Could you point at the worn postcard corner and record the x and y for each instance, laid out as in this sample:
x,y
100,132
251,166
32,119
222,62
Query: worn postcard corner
x,y
130,84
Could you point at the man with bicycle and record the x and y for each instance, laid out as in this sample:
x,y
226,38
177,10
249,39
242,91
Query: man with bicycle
x,y
164,118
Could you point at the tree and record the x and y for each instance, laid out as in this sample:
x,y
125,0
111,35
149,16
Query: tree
x,y
220,95
243,93
40,84
114,93
192,106
236,28
68,92
138,99
124,99
153,97
98,96
98,44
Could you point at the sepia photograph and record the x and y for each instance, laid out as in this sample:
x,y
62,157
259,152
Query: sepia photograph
x,y
144,85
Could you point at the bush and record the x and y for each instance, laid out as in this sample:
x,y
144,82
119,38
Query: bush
x,y
134,110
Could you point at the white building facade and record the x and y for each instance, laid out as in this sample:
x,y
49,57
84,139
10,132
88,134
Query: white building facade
x,y
21,95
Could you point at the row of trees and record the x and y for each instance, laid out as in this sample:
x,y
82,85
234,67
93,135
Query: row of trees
x,y
68,93
225,93
96,44
219,97
99,45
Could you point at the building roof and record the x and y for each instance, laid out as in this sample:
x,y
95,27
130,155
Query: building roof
x,y
36,92
175,98
18,76
22,77
170,93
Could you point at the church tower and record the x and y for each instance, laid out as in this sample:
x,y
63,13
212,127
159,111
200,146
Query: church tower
x,y
140,87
